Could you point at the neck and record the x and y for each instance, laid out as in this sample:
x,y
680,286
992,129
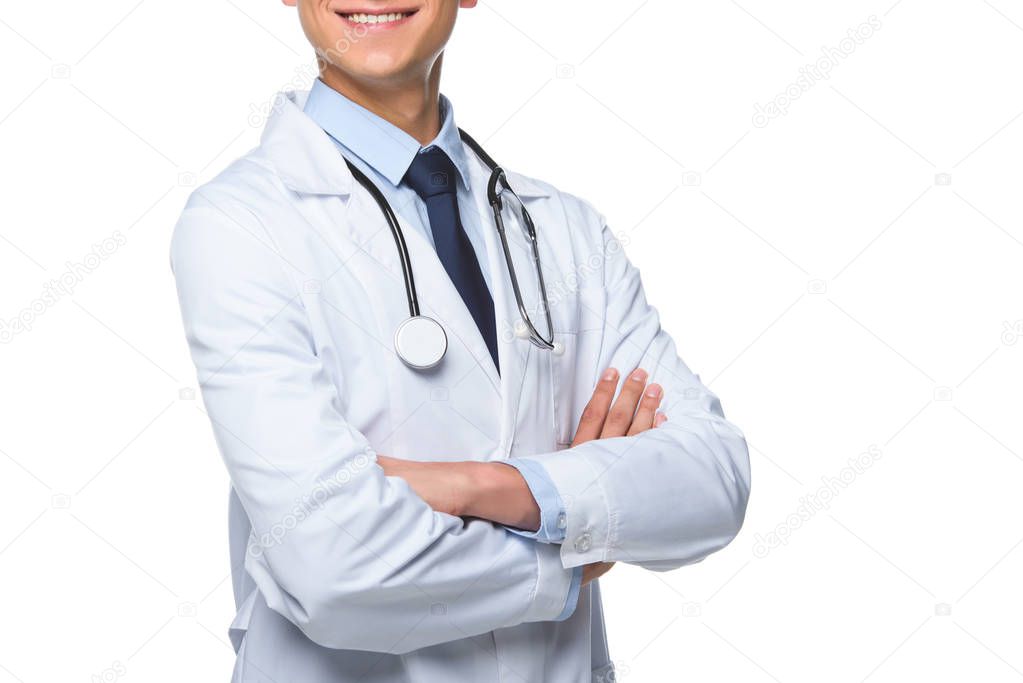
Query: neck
x,y
412,105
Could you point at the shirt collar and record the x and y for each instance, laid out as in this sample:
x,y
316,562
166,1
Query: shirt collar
x,y
383,146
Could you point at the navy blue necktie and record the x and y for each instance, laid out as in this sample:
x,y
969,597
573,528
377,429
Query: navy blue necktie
x,y
433,177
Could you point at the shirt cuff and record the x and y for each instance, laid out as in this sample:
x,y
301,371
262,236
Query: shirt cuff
x,y
556,591
552,511
573,594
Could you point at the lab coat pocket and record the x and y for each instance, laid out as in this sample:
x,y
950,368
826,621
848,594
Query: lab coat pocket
x,y
579,326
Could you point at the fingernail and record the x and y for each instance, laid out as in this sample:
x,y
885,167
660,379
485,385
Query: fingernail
x,y
610,374
660,419
639,375
653,391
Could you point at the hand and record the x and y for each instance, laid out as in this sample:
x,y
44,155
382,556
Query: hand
x,y
497,492
592,572
500,494
601,420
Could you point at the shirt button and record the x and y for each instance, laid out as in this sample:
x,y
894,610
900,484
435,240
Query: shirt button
x,y
582,543
562,521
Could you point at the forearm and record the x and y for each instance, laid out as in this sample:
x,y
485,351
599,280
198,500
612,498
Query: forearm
x,y
669,496
487,490
353,559
663,499
519,493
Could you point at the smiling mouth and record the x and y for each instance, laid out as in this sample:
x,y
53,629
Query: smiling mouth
x,y
376,19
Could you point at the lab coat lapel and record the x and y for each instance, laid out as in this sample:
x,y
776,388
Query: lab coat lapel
x,y
515,355
438,297
308,162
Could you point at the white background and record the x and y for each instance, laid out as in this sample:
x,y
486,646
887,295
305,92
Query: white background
x,y
847,278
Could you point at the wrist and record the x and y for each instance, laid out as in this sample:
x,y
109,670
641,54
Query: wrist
x,y
498,492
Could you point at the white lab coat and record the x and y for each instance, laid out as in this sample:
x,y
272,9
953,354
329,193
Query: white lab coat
x,y
290,290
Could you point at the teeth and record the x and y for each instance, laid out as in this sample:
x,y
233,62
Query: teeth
x,y
375,18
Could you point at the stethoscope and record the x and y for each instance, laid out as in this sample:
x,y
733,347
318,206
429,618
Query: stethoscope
x,y
420,341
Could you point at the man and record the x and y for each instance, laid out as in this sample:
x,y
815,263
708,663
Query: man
x,y
470,551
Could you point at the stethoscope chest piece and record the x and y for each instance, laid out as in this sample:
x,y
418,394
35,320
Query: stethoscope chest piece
x,y
420,342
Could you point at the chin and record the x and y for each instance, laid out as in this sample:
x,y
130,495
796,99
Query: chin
x,y
396,70
378,65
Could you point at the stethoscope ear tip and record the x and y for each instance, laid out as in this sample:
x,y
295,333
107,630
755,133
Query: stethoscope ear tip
x,y
558,349
521,329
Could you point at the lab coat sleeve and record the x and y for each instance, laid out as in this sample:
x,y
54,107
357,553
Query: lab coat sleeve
x,y
353,558
545,493
669,496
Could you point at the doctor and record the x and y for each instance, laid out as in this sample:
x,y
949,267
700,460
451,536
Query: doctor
x,y
516,472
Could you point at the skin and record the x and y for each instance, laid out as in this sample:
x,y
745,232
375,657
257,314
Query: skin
x,y
497,492
394,71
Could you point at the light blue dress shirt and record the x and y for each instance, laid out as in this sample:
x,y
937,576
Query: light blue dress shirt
x,y
384,153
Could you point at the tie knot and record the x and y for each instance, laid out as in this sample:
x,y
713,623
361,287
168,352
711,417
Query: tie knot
x,y
431,173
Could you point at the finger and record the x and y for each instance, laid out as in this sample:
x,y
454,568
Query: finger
x,y
660,419
620,418
592,420
592,572
648,406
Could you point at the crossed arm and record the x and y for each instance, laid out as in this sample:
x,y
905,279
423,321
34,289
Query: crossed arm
x,y
499,493
360,558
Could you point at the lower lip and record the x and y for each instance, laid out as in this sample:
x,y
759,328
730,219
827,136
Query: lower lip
x,y
378,26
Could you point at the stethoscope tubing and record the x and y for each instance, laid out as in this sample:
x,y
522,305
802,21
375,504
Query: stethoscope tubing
x,y
497,178
396,233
